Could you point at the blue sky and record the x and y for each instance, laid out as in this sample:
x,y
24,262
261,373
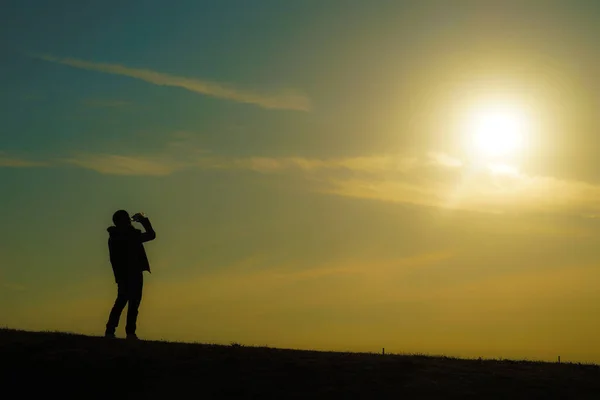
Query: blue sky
x,y
307,168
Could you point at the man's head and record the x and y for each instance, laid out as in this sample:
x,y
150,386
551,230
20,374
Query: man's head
x,y
121,219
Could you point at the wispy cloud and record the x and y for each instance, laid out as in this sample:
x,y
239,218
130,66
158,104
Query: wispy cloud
x,y
367,164
430,179
178,155
287,100
125,165
16,162
493,189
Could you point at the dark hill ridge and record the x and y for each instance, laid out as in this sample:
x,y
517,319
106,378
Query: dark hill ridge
x,y
67,365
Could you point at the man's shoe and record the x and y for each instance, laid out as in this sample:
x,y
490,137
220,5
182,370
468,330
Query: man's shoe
x,y
109,335
132,336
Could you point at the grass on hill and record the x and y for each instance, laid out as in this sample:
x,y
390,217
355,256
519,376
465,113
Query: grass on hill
x,y
61,364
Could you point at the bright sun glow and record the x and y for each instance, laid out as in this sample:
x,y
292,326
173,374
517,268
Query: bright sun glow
x,y
503,169
497,131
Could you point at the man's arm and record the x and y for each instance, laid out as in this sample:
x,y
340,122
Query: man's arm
x,y
149,234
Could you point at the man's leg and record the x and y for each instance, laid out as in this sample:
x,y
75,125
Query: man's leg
x,y
115,313
135,298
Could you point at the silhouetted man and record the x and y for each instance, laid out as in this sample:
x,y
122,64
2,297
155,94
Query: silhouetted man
x,y
129,260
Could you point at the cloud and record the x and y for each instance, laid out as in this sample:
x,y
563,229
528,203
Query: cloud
x,y
366,164
125,165
493,189
429,179
432,179
444,160
179,156
262,164
14,162
287,100
180,153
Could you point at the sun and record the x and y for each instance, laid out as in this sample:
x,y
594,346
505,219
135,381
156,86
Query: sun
x,y
497,131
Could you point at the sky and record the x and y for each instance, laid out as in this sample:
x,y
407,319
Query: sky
x,y
340,175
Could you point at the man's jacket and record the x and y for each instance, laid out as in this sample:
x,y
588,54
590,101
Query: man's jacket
x,y
126,249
